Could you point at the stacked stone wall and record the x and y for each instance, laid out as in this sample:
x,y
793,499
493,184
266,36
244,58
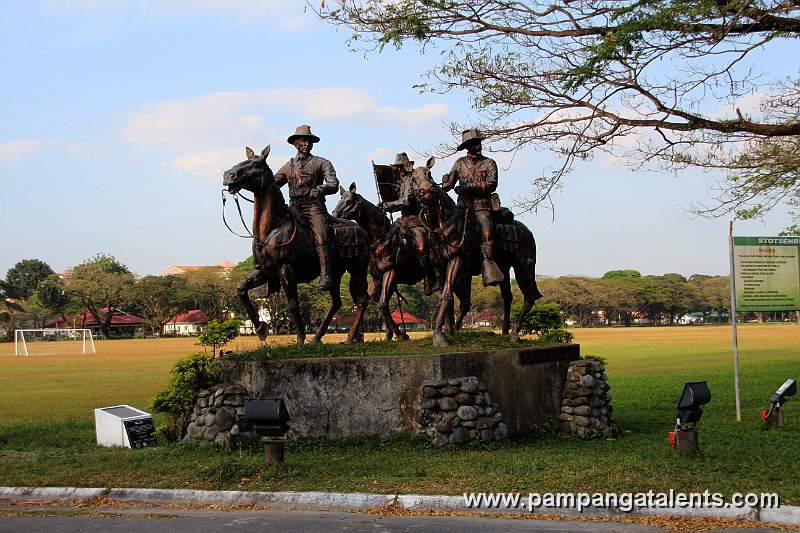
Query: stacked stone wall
x,y
586,405
459,410
218,417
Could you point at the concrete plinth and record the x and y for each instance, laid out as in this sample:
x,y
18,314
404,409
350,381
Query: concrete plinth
x,y
380,395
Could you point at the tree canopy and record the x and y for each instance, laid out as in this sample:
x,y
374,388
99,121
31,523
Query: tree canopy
x,y
660,82
24,277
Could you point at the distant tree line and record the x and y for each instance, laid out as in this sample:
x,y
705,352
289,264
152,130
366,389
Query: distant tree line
x,y
32,294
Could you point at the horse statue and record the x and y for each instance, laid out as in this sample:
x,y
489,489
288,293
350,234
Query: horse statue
x,y
393,260
455,237
284,253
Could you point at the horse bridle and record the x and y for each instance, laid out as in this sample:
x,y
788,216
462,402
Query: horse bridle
x,y
250,235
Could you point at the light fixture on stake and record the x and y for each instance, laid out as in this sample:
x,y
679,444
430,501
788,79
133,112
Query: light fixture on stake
x,y
684,438
270,421
774,417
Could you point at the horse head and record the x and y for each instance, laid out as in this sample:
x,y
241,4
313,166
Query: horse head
x,y
253,174
424,180
350,203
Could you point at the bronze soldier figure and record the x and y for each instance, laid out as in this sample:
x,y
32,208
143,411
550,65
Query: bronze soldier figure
x,y
310,179
409,203
477,180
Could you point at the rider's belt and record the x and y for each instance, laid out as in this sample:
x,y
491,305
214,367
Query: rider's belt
x,y
299,201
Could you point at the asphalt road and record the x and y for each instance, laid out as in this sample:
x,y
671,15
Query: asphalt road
x,y
157,520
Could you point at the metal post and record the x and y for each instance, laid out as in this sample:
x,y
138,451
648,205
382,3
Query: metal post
x,y
733,327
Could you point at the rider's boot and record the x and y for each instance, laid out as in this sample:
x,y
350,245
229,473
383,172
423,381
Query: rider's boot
x,y
431,279
492,275
324,268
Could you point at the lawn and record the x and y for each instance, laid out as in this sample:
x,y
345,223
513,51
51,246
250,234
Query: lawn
x,y
47,428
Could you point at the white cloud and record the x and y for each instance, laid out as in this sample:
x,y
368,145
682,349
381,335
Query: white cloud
x,y
13,151
413,116
228,116
210,164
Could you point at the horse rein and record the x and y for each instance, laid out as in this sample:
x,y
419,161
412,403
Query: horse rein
x,y
244,224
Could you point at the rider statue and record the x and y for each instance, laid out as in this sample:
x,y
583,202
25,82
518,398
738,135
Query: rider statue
x,y
477,180
310,179
409,203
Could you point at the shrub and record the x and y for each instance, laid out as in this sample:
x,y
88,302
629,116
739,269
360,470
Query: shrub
x,y
544,320
188,377
217,334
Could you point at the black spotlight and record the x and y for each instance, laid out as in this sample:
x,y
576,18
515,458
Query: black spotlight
x,y
774,416
270,421
684,438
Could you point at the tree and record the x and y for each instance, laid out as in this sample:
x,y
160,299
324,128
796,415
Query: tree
x,y
637,78
24,277
217,334
9,307
157,299
211,289
52,294
576,296
101,284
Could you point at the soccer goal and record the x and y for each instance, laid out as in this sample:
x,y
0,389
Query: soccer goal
x,y
52,341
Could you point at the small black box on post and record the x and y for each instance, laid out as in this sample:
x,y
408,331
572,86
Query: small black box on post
x,y
270,420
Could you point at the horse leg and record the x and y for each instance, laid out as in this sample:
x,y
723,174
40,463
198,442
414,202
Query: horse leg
x,y
358,291
389,287
289,285
374,293
464,293
336,303
453,275
531,293
505,292
253,280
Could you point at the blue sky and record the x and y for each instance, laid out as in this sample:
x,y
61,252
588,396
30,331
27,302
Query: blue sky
x,y
119,116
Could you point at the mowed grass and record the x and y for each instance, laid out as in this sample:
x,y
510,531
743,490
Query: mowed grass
x,y
46,422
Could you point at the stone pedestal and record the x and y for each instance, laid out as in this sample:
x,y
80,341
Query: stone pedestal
x,y
586,406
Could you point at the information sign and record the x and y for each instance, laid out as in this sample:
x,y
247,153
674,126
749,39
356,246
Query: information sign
x,y
767,271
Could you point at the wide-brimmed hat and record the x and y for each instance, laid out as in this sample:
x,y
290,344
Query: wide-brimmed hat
x,y
401,159
303,131
468,136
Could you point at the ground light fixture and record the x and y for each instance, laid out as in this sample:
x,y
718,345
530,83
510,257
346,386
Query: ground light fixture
x,y
774,416
270,420
684,438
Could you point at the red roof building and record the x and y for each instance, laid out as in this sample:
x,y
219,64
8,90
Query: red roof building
x,y
188,323
122,323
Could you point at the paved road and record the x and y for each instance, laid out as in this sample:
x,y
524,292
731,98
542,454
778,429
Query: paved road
x,y
157,520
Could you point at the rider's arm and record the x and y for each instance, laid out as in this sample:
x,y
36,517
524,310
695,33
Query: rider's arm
x,y
330,183
449,179
282,176
403,200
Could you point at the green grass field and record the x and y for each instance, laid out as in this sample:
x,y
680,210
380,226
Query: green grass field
x,y
47,429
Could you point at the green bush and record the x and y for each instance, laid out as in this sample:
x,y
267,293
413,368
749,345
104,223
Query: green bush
x,y
217,334
188,377
544,320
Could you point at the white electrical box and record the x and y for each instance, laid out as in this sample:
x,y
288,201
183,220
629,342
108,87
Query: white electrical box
x,y
124,426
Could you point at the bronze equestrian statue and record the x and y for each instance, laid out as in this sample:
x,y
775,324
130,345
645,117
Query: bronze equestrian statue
x,y
409,203
462,239
286,247
393,259
310,179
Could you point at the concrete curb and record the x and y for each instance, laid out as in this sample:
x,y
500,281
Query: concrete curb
x,y
787,515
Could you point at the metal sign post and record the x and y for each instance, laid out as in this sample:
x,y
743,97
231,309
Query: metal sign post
x,y
733,327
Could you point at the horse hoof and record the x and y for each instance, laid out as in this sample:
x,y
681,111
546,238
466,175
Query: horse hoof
x,y
314,342
515,337
403,337
439,340
262,331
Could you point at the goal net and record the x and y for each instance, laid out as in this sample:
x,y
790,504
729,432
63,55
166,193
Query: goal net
x,y
51,341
